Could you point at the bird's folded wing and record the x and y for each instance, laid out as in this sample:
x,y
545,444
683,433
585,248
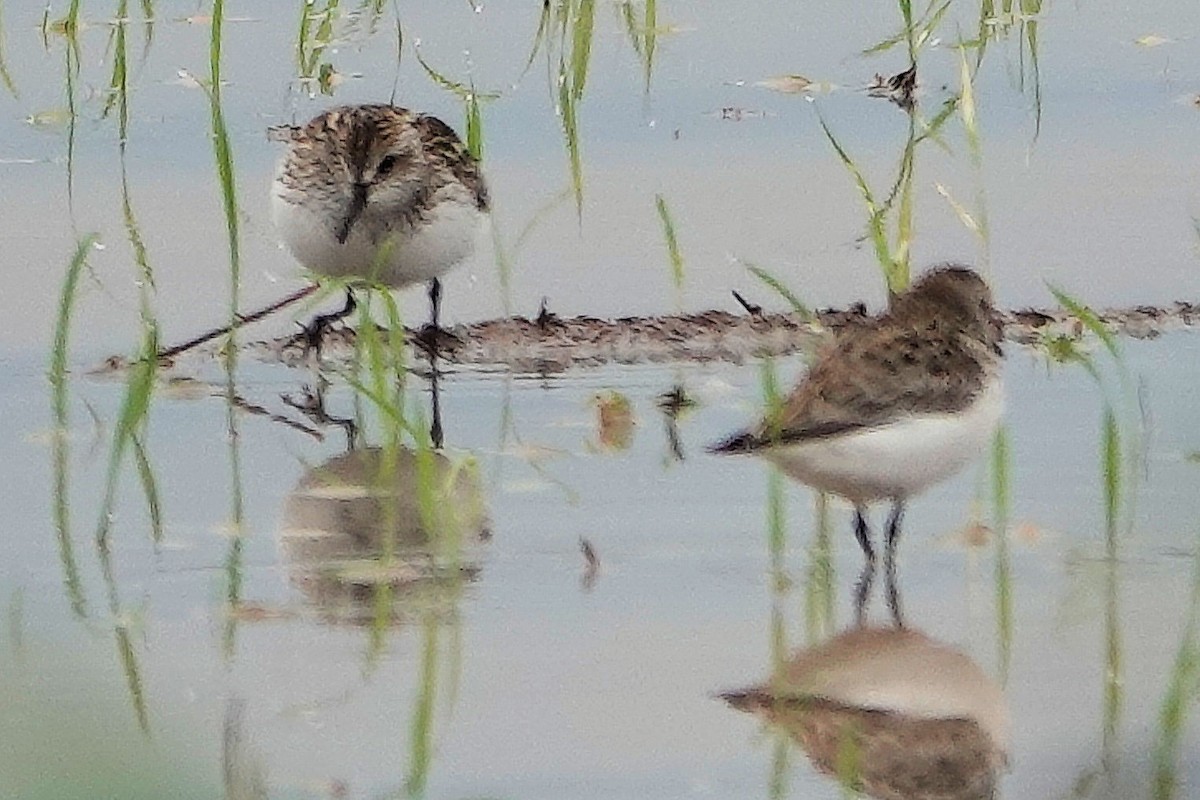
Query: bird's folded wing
x,y
869,377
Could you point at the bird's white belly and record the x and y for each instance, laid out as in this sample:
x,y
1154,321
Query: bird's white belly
x,y
895,460
446,236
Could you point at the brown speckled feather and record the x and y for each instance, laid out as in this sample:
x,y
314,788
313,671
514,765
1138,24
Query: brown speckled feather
x,y
442,142
931,354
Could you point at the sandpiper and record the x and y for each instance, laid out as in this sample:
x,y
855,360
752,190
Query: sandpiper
x,y
378,193
894,406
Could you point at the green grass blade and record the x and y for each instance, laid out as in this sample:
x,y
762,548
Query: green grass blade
x,y
650,32
1182,694
149,487
675,257
421,728
875,218
581,46
538,37
1089,319
133,675
130,420
798,306
59,403
5,76
1000,470
567,109
474,125
631,27
1110,460
118,85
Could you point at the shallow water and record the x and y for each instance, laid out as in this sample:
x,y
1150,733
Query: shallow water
x,y
214,661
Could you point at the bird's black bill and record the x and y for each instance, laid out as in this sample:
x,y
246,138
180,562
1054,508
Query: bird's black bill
x,y
358,202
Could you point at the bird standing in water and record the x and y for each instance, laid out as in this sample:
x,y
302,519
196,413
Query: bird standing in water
x,y
378,193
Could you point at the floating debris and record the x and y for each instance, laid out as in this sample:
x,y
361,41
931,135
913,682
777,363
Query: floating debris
x,y
787,84
615,423
737,114
1152,40
900,88
560,343
591,569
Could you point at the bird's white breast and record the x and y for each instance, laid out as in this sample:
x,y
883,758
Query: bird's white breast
x,y
898,459
443,237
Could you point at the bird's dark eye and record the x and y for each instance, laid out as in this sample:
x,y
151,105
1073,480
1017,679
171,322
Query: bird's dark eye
x,y
387,165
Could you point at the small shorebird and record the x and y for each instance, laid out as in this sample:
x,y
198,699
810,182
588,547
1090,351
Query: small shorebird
x,y
380,193
894,406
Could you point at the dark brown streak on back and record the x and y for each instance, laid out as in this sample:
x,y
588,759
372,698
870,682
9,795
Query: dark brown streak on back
x,y
443,143
363,132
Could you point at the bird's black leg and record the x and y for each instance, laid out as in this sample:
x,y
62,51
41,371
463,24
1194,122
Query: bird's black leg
x,y
435,303
863,533
314,332
436,435
893,535
862,592
432,336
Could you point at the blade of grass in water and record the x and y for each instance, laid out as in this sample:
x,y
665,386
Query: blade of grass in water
x,y
650,32
133,675
676,258
474,126
1000,464
820,581
910,34
783,291
1110,460
5,77
223,155
72,57
875,214
778,787
1182,694
538,37
966,107
631,26
421,728
914,34
149,487
567,110
581,46
59,402
465,91
578,22
777,549
118,87
773,397
148,28
130,422
121,635
1029,24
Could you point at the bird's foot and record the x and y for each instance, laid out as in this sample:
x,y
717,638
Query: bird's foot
x,y
312,335
434,339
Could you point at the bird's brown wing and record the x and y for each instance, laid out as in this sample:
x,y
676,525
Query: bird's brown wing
x,y
870,376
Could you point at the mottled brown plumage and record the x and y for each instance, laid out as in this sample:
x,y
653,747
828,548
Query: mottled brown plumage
x,y
931,353
377,193
894,405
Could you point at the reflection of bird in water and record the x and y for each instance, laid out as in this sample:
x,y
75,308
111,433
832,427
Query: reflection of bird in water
x,y
344,516
895,405
891,713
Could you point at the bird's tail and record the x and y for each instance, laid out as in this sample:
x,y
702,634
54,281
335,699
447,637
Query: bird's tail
x,y
741,442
